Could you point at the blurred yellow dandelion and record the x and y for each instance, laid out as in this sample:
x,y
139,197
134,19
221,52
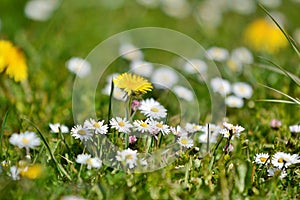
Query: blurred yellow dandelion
x,y
12,61
32,171
132,83
264,35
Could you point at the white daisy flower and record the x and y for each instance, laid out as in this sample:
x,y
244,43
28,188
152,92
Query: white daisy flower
x,y
244,7
195,66
185,141
79,132
159,127
176,8
164,77
234,65
178,131
213,128
183,93
40,10
270,3
71,197
281,159
203,138
230,130
142,126
235,129
242,55
27,140
234,101
209,13
142,68
225,132
192,127
58,128
149,3
242,90
261,158
79,66
295,128
220,86
152,109
121,125
118,93
130,52
276,171
98,126
128,156
14,173
111,77
86,159
217,54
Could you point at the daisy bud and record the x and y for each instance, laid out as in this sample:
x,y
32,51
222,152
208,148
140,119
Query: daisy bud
x,y
135,105
275,124
132,139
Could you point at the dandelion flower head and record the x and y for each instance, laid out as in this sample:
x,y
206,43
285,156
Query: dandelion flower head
x,y
12,61
263,35
132,83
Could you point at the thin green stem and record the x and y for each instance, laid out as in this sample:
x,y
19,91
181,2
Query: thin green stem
x,y
208,136
6,92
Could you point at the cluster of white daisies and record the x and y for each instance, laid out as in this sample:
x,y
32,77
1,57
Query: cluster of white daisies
x,y
153,125
278,163
239,90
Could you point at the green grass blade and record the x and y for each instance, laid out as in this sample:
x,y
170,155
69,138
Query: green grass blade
x,y
110,101
287,73
287,36
2,130
277,101
293,99
59,167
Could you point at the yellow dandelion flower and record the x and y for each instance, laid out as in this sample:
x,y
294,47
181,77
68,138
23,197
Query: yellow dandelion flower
x,y
132,83
32,171
264,35
12,61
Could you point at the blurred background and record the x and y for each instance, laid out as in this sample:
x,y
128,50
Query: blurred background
x,y
50,32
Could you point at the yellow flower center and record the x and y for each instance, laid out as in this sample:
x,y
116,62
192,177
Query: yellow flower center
x,y
154,109
96,125
242,89
25,140
82,132
159,125
262,159
121,123
129,157
280,160
227,134
89,161
144,125
184,141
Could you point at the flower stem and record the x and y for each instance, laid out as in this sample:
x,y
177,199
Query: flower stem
x,y
208,134
6,92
